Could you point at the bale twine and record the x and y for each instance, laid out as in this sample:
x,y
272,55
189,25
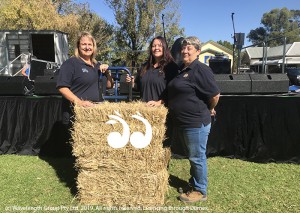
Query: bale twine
x,y
126,176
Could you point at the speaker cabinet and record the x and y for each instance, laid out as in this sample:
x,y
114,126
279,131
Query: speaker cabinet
x,y
16,85
239,39
45,85
50,72
37,68
220,66
234,83
269,83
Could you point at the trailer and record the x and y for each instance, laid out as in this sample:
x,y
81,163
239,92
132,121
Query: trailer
x,y
47,45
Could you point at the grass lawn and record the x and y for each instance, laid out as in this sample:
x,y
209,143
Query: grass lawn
x,y
31,183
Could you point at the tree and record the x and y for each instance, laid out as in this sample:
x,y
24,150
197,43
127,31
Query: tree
x,y
61,5
138,21
226,44
28,15
277,23
171,18
101,30
91,22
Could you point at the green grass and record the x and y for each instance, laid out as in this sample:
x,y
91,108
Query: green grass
x,y
234,185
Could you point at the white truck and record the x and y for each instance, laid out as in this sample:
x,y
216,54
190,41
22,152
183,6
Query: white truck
x,y
48,46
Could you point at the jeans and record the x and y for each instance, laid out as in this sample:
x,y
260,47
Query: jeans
x,y
194,141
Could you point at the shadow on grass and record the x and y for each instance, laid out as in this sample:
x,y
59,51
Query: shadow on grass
x,y
64,167
177,183
57,152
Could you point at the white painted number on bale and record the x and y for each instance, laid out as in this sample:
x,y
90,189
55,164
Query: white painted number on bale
x,y
137,139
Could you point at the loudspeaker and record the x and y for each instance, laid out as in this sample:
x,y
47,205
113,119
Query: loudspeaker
x,y
16,85
50,72
269,83
37,68
220,66
234,84
45,85
239,39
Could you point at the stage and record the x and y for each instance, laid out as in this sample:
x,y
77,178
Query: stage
x,y
31,125
257,128
254,128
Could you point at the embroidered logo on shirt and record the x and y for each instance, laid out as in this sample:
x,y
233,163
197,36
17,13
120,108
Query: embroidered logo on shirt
x,y
185,75
84,70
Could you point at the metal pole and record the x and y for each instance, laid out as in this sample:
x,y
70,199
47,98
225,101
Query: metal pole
x,y
263,59
163,24
283,55
239,60
233,58
234,42
154,34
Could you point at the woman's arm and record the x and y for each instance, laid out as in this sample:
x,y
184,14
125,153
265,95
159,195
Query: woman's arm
x,y
212,103
24,70
130,79
104,69
110,81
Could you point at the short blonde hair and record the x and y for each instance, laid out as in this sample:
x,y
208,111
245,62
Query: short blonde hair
x,y
192,40
88,35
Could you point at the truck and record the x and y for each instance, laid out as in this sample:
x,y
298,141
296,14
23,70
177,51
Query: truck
x,y
47,46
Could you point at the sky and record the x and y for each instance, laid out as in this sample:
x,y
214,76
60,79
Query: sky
x,y
211,19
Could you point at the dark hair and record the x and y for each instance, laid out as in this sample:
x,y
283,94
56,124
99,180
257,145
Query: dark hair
x,y
166,58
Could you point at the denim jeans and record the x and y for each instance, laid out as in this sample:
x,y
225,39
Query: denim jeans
x,y
194,141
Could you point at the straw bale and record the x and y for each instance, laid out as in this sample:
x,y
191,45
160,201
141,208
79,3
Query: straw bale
x,y
111,188
120,176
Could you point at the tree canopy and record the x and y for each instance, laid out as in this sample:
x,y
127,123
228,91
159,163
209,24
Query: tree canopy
x,y
226,44
138,21
34,15
276,24
91,22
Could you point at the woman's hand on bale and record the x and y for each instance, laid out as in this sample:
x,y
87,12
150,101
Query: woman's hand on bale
x,y
154,103
85,103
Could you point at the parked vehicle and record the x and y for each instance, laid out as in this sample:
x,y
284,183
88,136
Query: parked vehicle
x,y
49,46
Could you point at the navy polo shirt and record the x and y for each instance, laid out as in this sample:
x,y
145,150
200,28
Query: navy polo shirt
x,y
153,83
81,78
188,95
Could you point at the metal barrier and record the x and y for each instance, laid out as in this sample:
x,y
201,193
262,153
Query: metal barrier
x,y
8,65
116,76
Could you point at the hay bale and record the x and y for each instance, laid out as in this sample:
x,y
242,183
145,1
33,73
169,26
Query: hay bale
x,y
126,176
